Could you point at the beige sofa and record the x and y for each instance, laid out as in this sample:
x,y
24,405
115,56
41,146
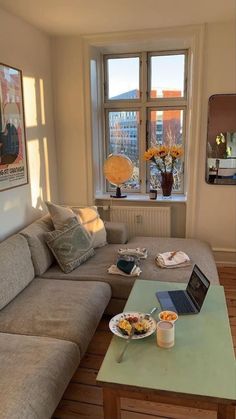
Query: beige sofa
x,y
95,269
47,318
45,328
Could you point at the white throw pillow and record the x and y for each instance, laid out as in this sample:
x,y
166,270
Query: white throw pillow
x,y
60,215
90,219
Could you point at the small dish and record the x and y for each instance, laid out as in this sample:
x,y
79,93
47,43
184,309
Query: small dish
x,y
170,316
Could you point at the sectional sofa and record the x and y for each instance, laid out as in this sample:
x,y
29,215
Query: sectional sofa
x,y
47,317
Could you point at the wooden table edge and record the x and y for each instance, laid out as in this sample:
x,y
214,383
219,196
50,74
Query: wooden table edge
x,y
112,392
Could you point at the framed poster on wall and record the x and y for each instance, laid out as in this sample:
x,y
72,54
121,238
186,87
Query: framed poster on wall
x,y
13,156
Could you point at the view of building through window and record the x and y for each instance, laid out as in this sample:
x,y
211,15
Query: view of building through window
x,y
164,113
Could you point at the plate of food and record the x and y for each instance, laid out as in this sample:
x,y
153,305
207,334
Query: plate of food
x,y
122,324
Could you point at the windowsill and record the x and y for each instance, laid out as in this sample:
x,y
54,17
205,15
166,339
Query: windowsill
x,y
142,198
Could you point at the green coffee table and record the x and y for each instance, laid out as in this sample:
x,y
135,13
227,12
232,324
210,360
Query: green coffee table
x,y
199,371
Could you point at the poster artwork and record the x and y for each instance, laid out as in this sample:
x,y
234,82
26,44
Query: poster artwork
x,y
13,159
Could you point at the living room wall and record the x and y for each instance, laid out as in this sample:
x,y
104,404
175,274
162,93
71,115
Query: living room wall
x,y
215,214
24,47
209,216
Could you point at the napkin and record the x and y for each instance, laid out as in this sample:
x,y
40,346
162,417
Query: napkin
x,y
138,252
116,271
175,259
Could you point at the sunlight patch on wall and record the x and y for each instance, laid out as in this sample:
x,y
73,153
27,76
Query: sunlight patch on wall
x,y
35,173
47,180
11,204
42,102
30,102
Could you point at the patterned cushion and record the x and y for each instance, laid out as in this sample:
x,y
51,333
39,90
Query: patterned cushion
x,y
71,246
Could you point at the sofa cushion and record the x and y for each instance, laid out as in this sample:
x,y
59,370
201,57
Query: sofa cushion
x,y
117,233
16,268
90,219
66,310
60,215
41,255
71,246
95,269
87,216
34,375
199,252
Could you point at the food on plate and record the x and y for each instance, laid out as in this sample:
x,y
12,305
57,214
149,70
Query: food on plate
x,y
141,327
125,325
168,315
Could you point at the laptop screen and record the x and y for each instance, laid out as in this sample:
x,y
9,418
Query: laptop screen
x,y
197,287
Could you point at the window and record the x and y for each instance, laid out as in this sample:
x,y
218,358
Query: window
x,y
145,104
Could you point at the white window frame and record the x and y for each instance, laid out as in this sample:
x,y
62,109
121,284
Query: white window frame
x,y
144,104
190,37
105,75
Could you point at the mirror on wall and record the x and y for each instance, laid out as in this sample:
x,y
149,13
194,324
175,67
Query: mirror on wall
x,y
221,140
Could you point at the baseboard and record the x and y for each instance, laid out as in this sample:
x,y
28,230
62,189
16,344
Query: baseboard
x,y
224,256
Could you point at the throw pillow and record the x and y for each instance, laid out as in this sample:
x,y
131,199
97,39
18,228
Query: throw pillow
x,y
60,215
71,246
90,219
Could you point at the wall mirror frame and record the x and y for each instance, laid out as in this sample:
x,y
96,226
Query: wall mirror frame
x,y
221,140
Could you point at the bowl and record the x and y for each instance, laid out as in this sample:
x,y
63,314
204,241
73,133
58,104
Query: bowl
x,y
170,316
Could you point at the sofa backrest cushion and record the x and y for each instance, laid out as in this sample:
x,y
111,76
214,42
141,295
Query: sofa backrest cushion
x,y
16,268
42,257
60,215
87,216
116,232
90,219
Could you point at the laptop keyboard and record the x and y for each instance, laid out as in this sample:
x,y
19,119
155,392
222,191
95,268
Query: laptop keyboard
x,y
180,301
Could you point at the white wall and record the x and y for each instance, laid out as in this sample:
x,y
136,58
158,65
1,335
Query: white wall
x,y
215,218
70,130
26,48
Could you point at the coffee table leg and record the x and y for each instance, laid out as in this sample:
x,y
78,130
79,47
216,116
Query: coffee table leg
x,y
225,411
111,404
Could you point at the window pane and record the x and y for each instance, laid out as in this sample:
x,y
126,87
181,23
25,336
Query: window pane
x,y
123,138
167,76
123,78
166,128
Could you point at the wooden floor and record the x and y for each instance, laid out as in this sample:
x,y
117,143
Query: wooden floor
x,y
83,398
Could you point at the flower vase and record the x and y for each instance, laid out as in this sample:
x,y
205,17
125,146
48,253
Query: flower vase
x,y
167,183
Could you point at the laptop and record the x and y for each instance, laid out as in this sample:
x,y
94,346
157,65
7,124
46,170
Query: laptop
x,y
187,301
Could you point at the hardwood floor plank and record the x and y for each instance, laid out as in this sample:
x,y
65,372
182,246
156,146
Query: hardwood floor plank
x,y
91,361
104,324
85,376
84,393
134,415
100,342
76,410
227,274
232,321
164,410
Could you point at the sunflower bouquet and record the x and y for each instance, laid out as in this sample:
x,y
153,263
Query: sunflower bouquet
x,y
164,156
